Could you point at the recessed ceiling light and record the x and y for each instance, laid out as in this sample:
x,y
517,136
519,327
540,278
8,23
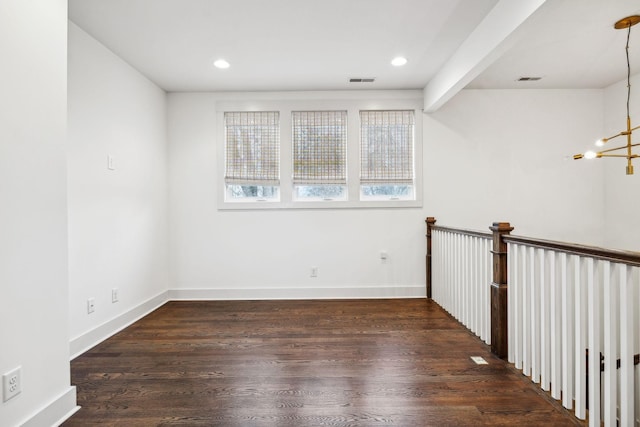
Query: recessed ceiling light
x,y
398,61
221,63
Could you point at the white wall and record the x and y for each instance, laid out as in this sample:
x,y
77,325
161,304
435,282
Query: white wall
x,y
489,155
506,155
268,254
622,208
118,227
33,217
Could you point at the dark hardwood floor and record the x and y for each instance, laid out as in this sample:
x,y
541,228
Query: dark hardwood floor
x,y
302,363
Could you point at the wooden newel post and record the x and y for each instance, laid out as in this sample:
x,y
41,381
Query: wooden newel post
x,y
499,344
430,222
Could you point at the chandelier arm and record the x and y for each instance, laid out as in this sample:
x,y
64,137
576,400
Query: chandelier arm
x,y
623,147
620,134
624,156
614,136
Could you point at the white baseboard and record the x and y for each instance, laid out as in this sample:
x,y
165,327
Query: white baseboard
x,y
84,342
56,412
369,292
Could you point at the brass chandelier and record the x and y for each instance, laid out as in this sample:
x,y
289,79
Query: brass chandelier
x,y
627,23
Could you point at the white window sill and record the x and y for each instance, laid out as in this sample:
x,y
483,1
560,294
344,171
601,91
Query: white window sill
x,y
320,204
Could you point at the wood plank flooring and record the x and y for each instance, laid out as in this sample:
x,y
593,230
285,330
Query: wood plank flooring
x,y
302,363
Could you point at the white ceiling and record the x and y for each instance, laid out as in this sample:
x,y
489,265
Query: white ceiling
x,y
276,45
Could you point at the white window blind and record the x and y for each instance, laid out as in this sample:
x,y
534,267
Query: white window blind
x,y
252,148
319,147
386,147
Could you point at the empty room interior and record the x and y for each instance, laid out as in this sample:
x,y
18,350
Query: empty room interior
x,y
238,159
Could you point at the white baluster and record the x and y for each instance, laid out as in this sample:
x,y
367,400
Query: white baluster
x,y
486,288
435,265
465,282
526,311
461,296
475,254
471,301
555,311
441,255
545,336
511,305
457,281
535,317
456,276
435,250
580,294
610,319
447,272
593,303
518,304
568,342
477,287
446,263
626,345
443,269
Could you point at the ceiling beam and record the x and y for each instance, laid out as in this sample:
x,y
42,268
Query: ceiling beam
x,y
491,38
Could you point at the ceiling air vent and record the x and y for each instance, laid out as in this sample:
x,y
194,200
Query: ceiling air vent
x,y
529,79
362,80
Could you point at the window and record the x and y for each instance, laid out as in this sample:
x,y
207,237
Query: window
x,y
386,155
319,140
252,155
353,150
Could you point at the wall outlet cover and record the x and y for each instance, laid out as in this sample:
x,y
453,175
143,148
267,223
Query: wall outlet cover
x,y
11,384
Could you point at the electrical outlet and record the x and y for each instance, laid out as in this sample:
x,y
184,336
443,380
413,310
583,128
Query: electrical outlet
x,y
314,271
384,255
91,305
111,162
11,384
114,295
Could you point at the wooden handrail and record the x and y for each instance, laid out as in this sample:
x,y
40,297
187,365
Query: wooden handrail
x,y
482,234
624,257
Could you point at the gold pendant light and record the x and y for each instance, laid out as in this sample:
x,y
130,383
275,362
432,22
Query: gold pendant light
x,y
627,23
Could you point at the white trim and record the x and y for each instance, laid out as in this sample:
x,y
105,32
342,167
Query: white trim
x,y
56,412
354,292
84,342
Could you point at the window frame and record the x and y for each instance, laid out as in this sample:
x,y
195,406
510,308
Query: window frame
x,y
384,181
299,182
352,102
254,181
